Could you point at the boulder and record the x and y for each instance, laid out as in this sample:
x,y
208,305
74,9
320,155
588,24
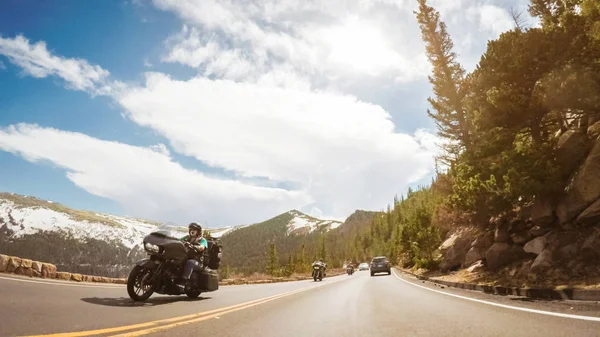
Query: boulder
x,y
568,252
449,242
591,245
48,270
478,265
536,246
591,215
24,271
542,212
63,276
521,238
525,268
13,264
539,231
542,262
77,277
36,266
485,240
455,254
557,239
571,149
583,189
501,235
593,131
501,254
4,262
88,278
473,255
517,225
26,263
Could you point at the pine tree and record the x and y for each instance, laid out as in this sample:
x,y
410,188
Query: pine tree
x,y
290,267
301,261
448,82
272,265
323,250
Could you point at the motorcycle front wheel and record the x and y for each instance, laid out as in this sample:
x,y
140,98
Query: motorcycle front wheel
x,y
138,286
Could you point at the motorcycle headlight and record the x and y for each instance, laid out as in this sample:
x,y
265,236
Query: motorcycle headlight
x,y
151,247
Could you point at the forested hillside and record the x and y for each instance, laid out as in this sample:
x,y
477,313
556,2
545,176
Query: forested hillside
x,y
246,250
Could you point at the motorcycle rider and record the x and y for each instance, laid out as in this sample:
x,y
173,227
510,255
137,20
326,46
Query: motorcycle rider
x,y
198,244
323,264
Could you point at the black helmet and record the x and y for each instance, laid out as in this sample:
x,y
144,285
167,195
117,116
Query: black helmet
x,y
194,225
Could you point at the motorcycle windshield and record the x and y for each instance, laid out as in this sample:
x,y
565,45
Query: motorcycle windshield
x,y
171,230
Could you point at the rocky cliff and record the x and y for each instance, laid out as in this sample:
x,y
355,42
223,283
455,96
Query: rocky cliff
x,y
554,240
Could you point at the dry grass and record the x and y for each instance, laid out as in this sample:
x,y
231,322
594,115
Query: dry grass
x,y
77,215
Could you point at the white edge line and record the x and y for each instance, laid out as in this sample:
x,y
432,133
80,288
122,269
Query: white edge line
x,y
541,312
62,284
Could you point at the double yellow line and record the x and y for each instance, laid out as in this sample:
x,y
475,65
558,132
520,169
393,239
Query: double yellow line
x,y
169,323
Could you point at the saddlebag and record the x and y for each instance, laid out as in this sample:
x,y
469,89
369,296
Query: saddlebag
x,y
209,280
212,258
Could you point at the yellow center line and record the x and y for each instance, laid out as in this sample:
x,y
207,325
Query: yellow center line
x,y
187,318
203,318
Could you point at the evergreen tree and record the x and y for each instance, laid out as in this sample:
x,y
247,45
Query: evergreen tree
x,y
272,265
448,80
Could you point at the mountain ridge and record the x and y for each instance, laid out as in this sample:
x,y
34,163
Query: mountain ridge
x,y
25,214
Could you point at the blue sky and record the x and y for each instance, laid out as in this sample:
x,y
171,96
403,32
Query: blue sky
x,y
222,112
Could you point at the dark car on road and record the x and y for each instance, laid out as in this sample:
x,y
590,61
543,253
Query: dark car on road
x,y
380,264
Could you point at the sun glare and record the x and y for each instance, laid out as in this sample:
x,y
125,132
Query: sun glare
x,y
360,46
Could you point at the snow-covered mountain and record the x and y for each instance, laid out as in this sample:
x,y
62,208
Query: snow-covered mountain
x,y
26,215
303,224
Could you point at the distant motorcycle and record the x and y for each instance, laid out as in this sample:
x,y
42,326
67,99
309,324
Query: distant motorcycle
x,y
168,254
350,270
318,271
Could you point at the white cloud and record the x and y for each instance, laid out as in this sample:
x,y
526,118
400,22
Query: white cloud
x,y
331,41
494,19
338,148
244,40
37,61
147,182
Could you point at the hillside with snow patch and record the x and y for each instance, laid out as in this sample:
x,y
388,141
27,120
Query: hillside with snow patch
x,y
305,224
24,215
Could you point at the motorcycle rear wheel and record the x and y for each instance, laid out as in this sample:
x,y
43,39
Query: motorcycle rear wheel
x,y
193,293
135,283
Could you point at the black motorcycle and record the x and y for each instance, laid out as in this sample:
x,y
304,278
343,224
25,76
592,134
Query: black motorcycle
x,y
350,270
167,256
318,271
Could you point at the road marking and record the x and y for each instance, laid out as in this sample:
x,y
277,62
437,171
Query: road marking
x,y
541,312
153,325
206,317
58,283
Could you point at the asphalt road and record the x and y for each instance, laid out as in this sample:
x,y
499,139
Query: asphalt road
x,y
356,305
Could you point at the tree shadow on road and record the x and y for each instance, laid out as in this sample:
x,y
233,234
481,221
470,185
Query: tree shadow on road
x,y
126,302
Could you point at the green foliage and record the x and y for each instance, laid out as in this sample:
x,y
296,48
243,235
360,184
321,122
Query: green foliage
x,y
530,85
272,265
